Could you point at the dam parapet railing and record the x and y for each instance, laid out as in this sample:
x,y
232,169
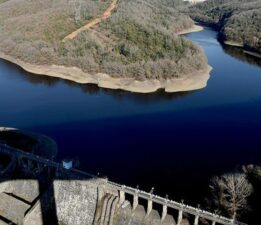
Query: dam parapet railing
x,y
167,203
26,159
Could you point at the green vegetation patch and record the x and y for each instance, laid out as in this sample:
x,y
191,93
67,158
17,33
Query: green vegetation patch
x,y
2,1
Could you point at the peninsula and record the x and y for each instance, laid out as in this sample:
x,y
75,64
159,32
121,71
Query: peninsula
x,y
129,45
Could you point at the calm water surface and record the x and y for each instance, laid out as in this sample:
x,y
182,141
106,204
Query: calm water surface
x,y
174,142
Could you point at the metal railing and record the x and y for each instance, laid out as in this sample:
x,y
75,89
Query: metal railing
x,y
175,205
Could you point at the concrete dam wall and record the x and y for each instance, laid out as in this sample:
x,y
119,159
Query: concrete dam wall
x,y
42,192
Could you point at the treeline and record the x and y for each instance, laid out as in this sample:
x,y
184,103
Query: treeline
x,y
239,21
139,40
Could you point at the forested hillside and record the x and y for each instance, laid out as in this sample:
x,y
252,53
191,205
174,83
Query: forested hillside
x,y
139,39
239,21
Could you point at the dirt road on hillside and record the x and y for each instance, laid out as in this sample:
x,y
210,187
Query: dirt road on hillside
x,y
105,15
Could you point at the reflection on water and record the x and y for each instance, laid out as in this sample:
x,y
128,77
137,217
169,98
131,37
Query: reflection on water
x,y
15,70
93,89
241,55
137,97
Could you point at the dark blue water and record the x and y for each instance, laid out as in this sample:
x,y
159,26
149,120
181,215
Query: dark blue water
x,y
174,142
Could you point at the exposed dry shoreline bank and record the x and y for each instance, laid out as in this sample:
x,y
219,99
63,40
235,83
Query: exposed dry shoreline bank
x,y
193,81
234,44
258,55
195,28
189,82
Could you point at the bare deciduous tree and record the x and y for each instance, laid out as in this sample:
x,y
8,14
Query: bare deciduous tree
x,y
230,193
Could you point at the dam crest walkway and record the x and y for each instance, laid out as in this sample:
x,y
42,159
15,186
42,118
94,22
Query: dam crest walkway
x,y
26,159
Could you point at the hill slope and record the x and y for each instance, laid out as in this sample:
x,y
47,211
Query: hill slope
x,y
137,41
239,21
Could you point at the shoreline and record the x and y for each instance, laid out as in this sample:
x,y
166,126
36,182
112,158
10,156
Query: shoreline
x,y
234,44
255,54
194,28
248,52
189,82
230,43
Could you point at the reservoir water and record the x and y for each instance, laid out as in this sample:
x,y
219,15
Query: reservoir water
x,y
173,142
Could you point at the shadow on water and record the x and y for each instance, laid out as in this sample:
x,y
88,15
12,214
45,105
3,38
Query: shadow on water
x,y
239,53
120,95
93,89
16,71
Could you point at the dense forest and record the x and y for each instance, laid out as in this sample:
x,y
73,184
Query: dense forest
x,y
139,39
239,21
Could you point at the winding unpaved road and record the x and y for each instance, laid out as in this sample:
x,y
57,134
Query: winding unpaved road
x,y
105,15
